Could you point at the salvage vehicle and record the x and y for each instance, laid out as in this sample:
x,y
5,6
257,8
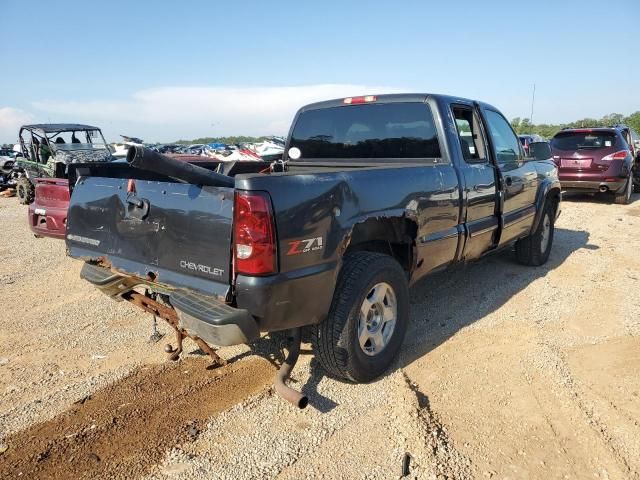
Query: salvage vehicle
x,y
596,160
635,150
372,194
7,161
48,212
47,149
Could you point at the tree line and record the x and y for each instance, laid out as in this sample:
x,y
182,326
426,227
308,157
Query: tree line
x,y
524,126
232,140
520,125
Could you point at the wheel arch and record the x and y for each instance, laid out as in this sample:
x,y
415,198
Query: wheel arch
x,y
392,235
548,191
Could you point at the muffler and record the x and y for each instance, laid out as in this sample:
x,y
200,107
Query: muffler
x,y
603,189
300,400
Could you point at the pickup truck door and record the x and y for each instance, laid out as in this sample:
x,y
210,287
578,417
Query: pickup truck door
x,y
480,179
518,178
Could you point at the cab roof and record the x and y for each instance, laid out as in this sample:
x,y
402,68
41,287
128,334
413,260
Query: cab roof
x,y
59,127
397,97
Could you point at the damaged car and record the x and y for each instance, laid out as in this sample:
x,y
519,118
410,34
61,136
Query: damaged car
x,y
7,161
372,193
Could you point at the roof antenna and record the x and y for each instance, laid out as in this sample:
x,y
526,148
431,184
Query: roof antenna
x,y
533,98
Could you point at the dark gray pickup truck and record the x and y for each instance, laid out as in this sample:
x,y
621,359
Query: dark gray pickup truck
x,y
372,194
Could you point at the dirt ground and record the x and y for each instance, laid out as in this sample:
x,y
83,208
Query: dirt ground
x,y
507,372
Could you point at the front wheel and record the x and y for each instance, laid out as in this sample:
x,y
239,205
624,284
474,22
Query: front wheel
x,y
534,250
368,318
25,191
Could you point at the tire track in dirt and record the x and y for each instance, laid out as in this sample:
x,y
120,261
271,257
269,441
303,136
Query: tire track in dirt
x,y
124,429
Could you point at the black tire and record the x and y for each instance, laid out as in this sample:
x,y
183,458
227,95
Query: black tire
x,y
532,250
625,197
25,191
336,339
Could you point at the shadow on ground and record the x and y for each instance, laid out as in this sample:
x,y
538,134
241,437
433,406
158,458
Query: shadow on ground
x,y
597,198
448,301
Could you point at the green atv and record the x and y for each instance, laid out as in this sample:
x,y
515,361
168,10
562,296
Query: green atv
x,y
46,150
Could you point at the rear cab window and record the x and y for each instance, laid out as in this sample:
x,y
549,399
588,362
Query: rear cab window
x,y
584,140
367,131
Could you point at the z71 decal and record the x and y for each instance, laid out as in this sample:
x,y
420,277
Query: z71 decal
x,y
307,245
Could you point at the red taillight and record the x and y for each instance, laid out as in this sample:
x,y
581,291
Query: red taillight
x,y
619,155
357,100
254,239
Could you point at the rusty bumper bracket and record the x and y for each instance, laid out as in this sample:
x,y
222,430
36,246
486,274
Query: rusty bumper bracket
x,y
170,315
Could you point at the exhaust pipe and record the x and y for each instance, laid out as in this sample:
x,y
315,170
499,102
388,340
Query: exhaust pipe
x,y
289,394
603,188
146,159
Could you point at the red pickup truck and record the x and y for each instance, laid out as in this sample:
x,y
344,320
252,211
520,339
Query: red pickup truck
x,y
48,212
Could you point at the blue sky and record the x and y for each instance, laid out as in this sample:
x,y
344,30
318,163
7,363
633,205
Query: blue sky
x,y
192,68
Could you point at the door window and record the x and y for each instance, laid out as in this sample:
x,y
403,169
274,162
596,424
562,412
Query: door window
x,y
470,135
505,142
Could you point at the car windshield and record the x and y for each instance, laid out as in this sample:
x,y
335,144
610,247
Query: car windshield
x,y
583,140
385,130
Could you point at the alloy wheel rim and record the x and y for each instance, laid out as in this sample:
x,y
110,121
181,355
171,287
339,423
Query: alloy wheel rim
x,y
377,319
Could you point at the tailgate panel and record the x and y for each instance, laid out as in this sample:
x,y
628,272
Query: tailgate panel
x,y
159,229
52,192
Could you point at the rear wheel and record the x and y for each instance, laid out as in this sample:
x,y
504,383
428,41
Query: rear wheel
x,y
625,197
365,327
534,250
25,191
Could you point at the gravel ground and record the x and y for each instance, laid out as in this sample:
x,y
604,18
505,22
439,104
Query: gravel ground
x,y
507,372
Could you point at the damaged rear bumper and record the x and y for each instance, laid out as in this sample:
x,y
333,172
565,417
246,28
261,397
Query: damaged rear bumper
x,y
200,315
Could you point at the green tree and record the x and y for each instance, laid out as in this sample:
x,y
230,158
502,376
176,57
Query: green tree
x,y
613,119
525,126
633,121
231,140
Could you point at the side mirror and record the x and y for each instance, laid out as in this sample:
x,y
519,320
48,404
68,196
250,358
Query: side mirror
x,y
540,150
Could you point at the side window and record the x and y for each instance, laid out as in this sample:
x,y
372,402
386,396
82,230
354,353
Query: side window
x,y
505,141
469,134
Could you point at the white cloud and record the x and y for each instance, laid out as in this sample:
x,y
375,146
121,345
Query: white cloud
x,y
10,121
169,113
